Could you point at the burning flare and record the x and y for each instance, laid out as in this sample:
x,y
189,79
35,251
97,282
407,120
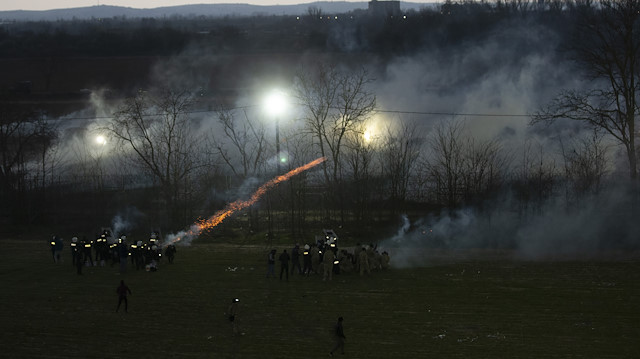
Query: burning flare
x,y
233,207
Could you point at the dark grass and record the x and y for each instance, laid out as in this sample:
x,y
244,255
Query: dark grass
x,y
460,307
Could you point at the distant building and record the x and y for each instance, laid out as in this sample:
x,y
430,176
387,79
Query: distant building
x,y
384,8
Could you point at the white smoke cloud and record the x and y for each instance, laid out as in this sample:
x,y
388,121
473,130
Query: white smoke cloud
x,y
182,238
595,226
125,221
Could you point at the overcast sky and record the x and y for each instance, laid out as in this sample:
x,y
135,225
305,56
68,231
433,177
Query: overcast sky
x,y
141,4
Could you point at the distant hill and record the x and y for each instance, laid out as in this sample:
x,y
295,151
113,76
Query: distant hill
x,y
106,11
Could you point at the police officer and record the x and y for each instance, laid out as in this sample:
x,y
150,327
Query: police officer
x,y
86,250
102,248
306,260
123,253
136,255
79,261
113,252
52,243
74,250
153,239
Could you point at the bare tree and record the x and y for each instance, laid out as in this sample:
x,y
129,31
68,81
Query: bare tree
x,y
156,129
49,159
335,104
400,150
586,164
298,146
609,53
359,163
461,168
484,168
242,148
535,177
26,138
445,165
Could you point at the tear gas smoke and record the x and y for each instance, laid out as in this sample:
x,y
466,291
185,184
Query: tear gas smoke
x,y
185,237
603,225
399,236
125,221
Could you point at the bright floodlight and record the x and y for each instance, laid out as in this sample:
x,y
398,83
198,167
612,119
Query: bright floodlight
x,y
276,102
367,136
101,140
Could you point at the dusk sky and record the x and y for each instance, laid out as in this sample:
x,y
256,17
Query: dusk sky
x,y
62,4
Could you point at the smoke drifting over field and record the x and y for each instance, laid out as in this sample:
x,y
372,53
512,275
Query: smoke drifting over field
x,y
597,226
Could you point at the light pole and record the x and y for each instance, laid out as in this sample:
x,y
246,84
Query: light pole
x,y
276,104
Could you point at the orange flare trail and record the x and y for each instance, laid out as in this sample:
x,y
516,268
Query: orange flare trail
x,y
233,207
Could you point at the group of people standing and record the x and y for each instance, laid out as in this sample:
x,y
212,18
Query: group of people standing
x,y
327,260
98,252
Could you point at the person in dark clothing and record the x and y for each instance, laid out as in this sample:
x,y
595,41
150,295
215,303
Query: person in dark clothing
x,y
53,247
170,252
79,262
86,250
271,263
74,250
306,259
122,291
338,333
295,259
284,264
59,246
123,253
232,311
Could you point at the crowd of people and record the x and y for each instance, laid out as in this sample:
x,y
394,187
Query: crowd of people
x,y
324,258
103,250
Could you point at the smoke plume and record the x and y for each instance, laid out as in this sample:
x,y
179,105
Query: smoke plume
x,y
125,221
599,226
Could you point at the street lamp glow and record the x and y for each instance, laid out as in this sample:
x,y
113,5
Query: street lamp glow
x,y
101,140
275,103
367,136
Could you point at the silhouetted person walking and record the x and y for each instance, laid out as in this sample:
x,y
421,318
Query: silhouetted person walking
x,y
338,333
271,263
79,262
295,259
232,312
284,264
122,291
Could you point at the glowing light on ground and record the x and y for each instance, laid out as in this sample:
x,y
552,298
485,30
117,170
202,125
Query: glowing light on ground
x,y
231,208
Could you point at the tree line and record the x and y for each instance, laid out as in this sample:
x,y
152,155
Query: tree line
x,y
316,30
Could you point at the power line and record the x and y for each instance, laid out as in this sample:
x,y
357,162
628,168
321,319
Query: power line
x,y
453,113
403,112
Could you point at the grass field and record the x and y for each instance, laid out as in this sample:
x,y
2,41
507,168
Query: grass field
x,y
459,306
